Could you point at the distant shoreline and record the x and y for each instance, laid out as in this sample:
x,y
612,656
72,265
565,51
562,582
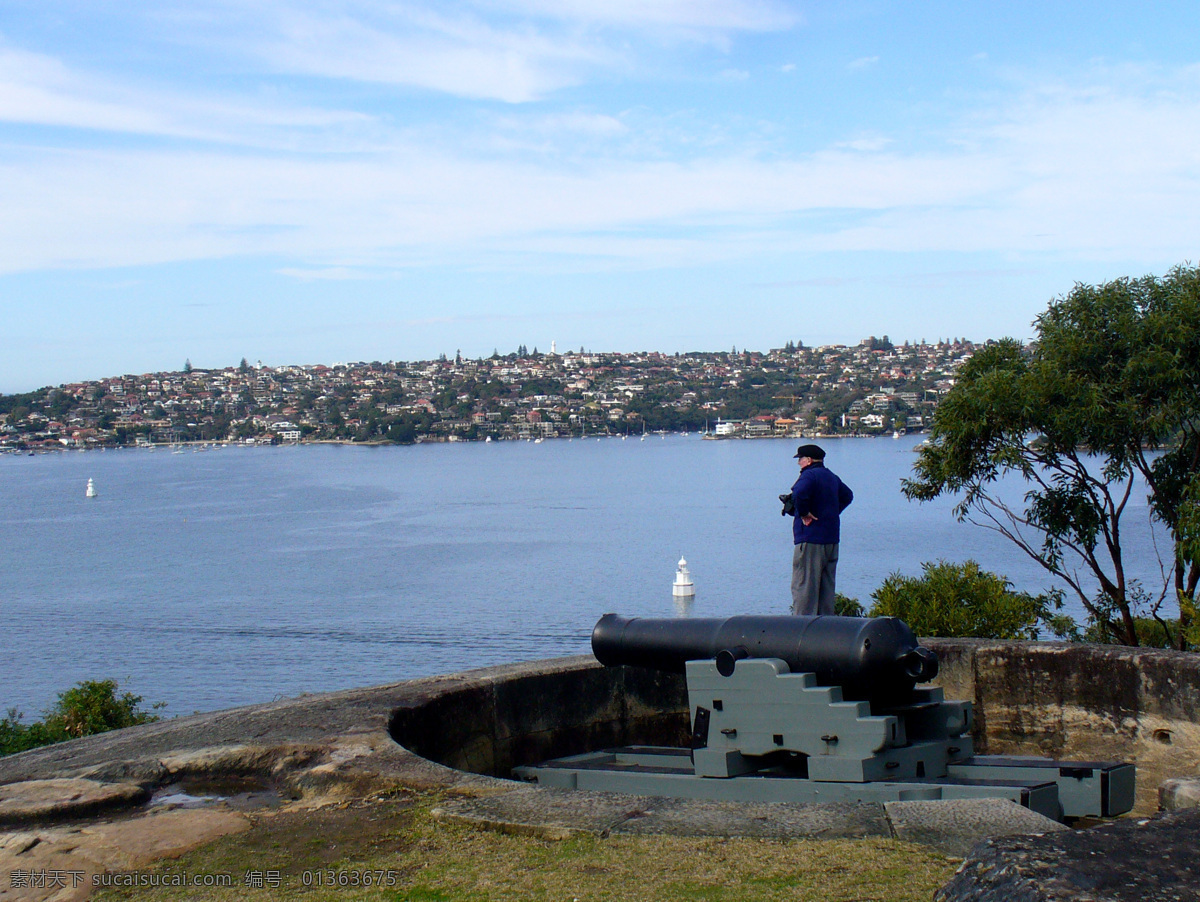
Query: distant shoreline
x,y
197,446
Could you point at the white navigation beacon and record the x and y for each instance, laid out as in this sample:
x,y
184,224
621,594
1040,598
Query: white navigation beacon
x,y
683,587
91,489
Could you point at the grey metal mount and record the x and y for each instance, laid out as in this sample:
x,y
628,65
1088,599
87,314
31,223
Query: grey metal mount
x,y
763,733
763,709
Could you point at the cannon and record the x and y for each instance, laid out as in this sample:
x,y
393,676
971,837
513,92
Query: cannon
x,y
818,709
869,658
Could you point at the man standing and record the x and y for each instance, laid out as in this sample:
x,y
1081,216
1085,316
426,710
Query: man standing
x,y
819,498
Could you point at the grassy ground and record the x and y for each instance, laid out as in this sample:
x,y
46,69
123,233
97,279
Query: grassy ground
x,y
407,856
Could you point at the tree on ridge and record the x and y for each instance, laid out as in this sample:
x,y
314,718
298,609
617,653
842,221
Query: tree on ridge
x,y
1107,397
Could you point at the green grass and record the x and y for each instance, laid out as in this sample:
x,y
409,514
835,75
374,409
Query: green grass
x,y
426,860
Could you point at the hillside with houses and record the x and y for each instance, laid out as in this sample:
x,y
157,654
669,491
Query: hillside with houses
x,y
873,387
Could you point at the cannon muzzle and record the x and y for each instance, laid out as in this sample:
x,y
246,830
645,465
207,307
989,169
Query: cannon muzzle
x,y
875,658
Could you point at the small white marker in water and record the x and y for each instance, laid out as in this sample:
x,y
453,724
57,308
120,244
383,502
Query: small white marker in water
x,y
91,489
683,587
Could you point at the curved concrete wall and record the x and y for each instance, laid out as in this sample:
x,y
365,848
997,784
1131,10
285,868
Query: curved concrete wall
x,y
1062,700
545,710
1034,698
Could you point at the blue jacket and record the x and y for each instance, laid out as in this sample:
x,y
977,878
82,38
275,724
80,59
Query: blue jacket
x,y
818,491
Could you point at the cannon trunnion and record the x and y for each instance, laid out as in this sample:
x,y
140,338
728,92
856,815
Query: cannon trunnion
x,y
818,709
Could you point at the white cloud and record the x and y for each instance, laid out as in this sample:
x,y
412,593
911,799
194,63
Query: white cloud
x,y
514,51
1109,165
689,16
866,143
593,124
326,274
463,56
38,89
510,50
112,208
863,62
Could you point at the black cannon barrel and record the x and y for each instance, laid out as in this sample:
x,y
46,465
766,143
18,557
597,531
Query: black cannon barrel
x,y
869,657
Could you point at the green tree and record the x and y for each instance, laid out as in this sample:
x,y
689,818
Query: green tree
x,y
89,707
963,600
1105,399
402,433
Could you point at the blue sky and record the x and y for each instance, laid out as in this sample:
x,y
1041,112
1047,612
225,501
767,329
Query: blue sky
x,y
315,182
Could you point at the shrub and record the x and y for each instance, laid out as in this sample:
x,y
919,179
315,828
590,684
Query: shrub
x,y
17,737
961,600
847,607
1151,633
89,707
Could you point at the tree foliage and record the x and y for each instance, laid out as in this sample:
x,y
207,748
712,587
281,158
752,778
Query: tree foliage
x,y
847,607
89,707
963,600
1104,400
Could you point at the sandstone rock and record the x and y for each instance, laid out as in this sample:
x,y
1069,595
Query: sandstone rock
x,y
57,864
1178,793
39,801
137,842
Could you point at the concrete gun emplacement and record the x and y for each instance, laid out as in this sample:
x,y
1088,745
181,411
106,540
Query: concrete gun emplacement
x,y
818,709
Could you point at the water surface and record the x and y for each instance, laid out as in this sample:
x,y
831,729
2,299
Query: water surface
x,y
238,575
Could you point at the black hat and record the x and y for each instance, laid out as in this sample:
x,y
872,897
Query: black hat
x,y
812,451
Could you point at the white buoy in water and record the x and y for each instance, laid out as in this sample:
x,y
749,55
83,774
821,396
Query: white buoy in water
x,y
91,489
683,587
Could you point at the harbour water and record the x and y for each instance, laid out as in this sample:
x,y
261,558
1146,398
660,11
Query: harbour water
x,y
208,579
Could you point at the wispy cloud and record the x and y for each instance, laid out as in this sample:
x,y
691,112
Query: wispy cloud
x,y
407,207
327,274
594,125
463,56
514,51
1107,159
863,62
867,143
38,89
690,16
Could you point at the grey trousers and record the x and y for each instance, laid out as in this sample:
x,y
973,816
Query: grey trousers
x,y
814,568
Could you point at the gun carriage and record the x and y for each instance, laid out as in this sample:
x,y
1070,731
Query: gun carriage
x,y
818,709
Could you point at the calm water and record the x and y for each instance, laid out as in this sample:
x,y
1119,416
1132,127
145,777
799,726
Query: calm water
x,y
238,575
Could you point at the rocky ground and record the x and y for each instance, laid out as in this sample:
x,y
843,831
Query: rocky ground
x,y
312,794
